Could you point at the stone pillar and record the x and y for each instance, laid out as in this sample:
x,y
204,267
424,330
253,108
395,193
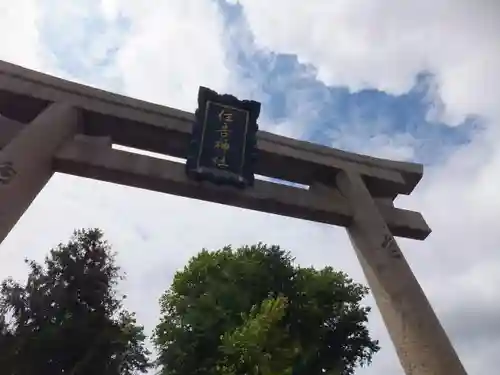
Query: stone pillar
x,y
421,343
26,161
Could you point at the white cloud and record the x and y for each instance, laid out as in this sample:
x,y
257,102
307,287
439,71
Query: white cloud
x,y
397,147
19,33
171,47
384,44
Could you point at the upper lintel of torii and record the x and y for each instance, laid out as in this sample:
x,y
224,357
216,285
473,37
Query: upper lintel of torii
x,y
156,128
134,123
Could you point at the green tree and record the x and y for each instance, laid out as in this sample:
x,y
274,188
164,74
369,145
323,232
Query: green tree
x,y
67,318
227,304
260,345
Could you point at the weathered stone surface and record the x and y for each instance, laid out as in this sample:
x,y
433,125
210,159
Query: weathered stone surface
x,y
27,161
421,343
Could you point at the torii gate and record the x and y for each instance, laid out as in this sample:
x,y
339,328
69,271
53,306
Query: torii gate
x,y
51,125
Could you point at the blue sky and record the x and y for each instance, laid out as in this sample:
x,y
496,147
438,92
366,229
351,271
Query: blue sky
x,y
410,80
338,110
284,83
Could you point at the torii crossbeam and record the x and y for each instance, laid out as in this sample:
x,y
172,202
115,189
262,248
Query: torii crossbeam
x,y
51,125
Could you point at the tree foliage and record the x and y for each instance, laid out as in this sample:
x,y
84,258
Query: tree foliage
x,y
228,306
67,318
259,345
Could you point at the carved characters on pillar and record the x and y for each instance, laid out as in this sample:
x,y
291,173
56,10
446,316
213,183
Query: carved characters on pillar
x,y
391,246
7,172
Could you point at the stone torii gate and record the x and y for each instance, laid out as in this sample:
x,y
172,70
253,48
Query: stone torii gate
x,y
51,125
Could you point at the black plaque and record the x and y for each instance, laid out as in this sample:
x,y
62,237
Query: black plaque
x,y
223,142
